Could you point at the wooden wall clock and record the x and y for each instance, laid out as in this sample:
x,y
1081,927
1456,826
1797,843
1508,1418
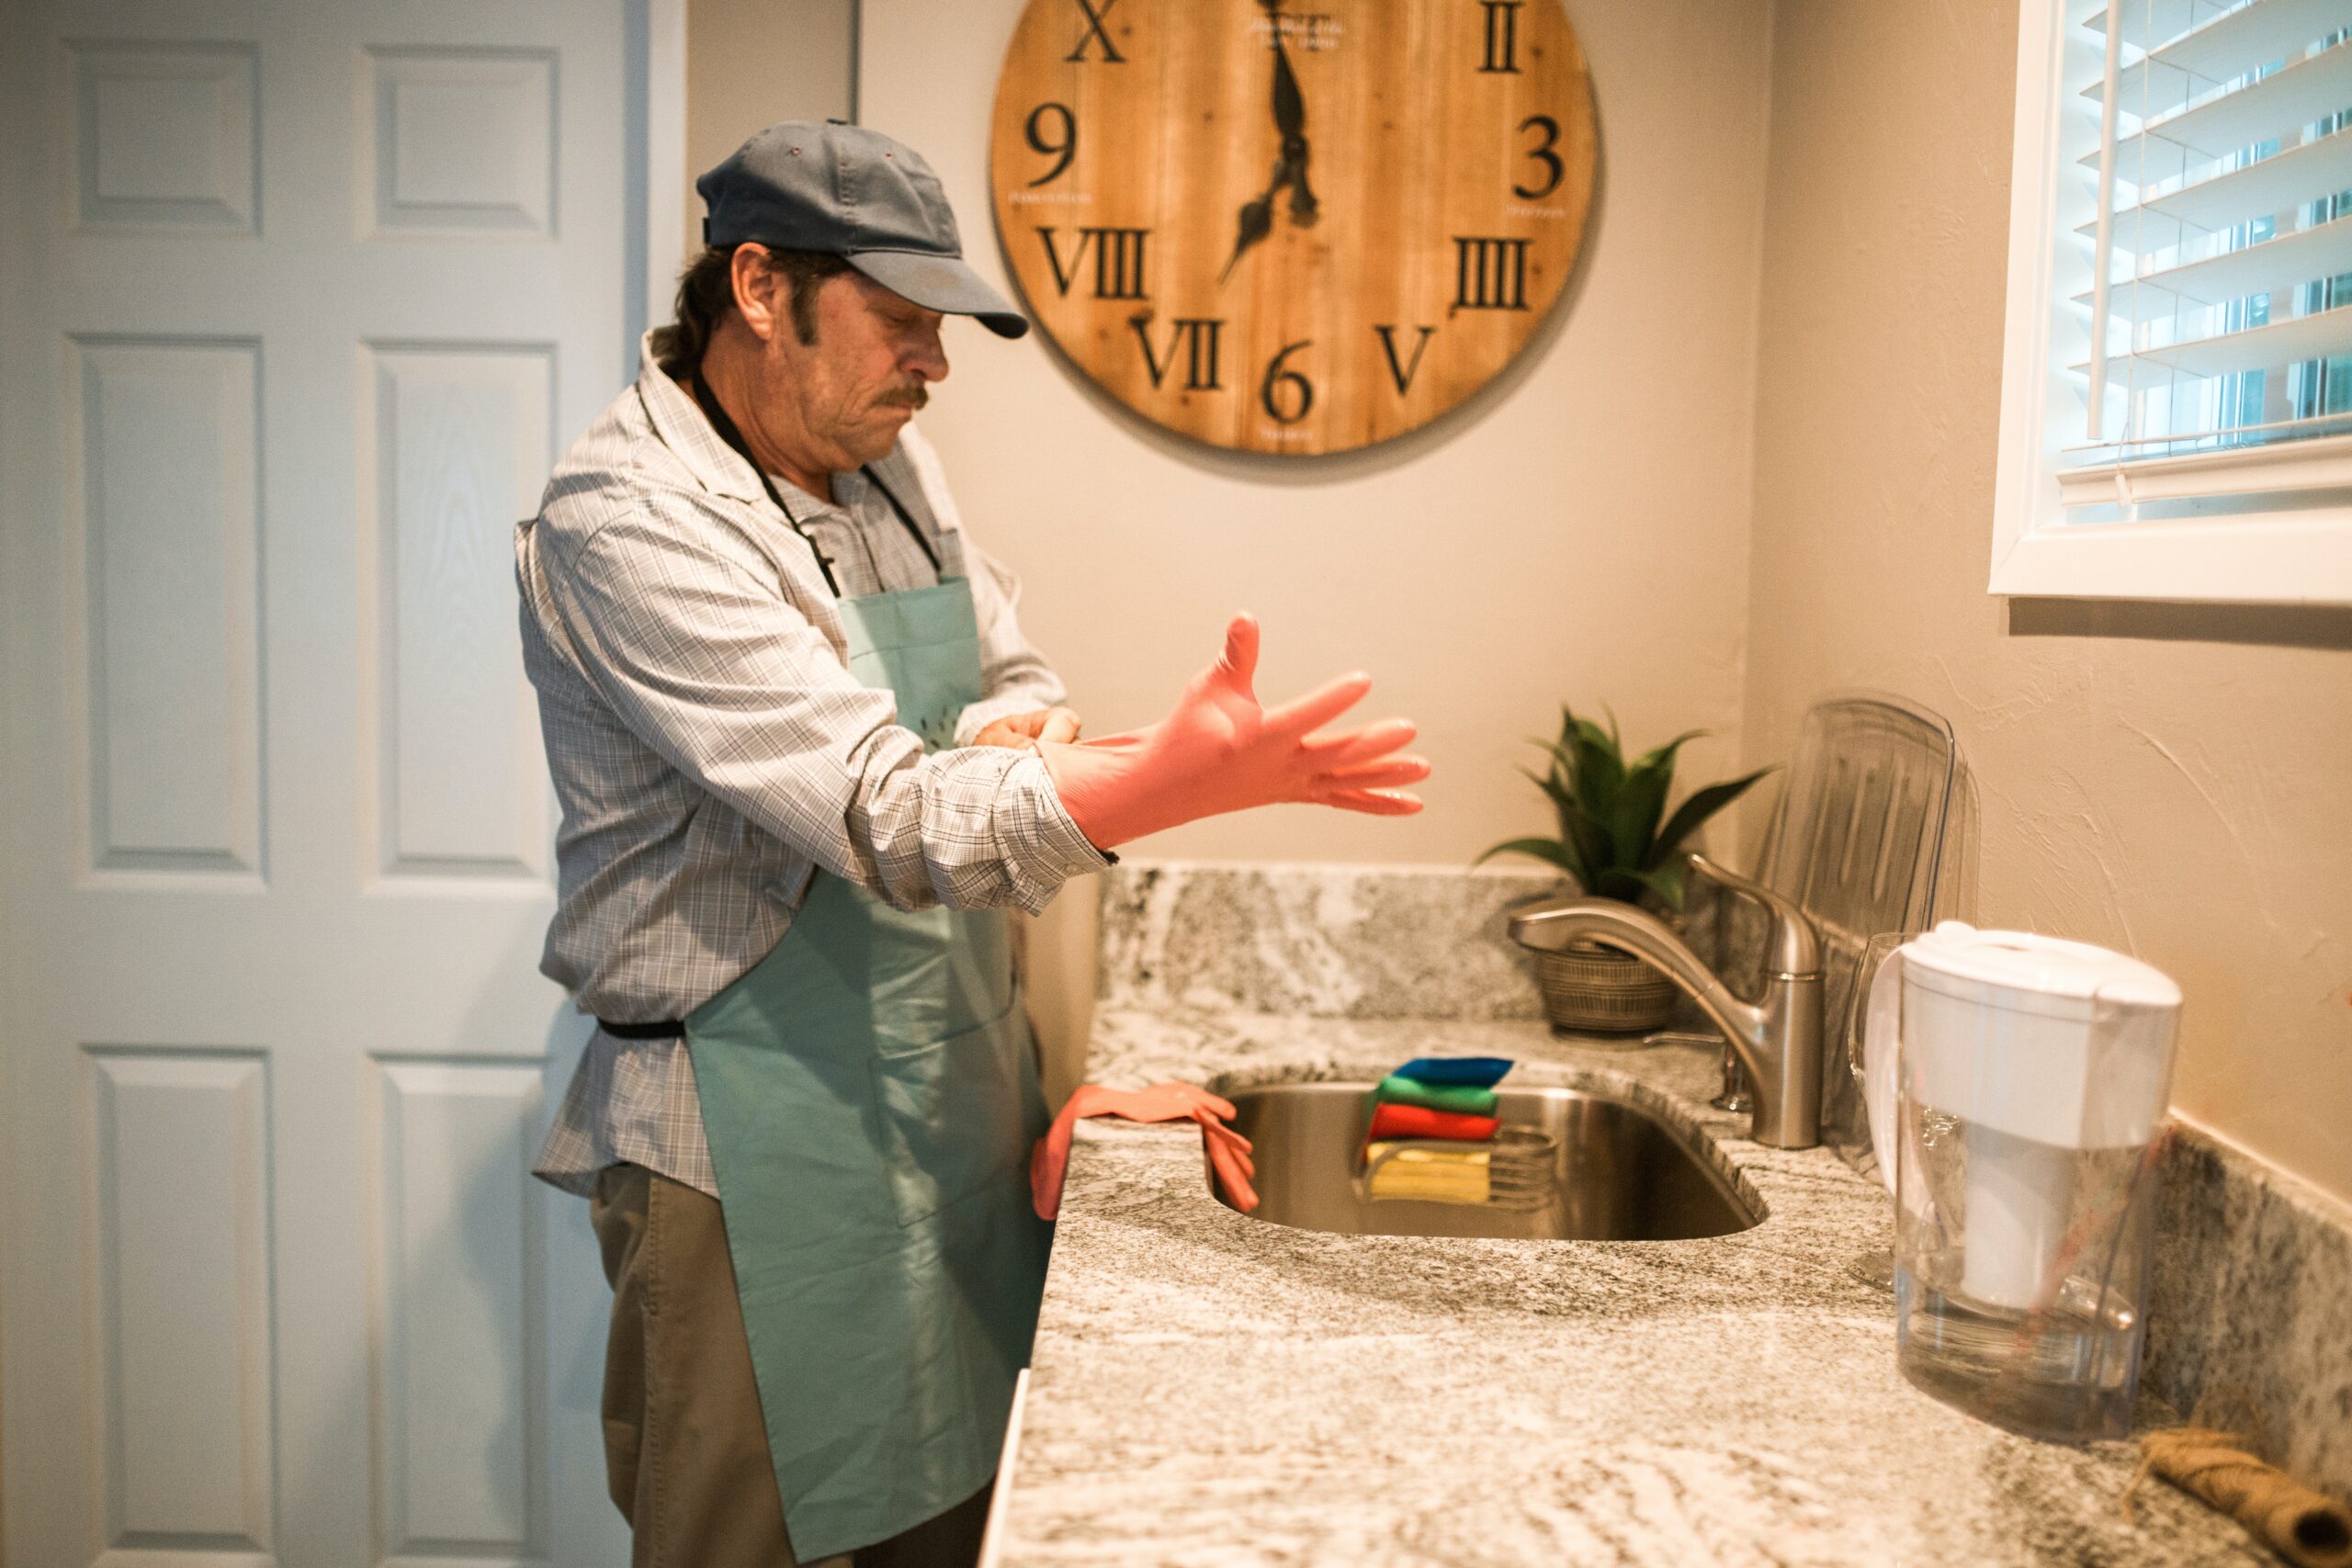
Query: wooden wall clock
x,y
1291,226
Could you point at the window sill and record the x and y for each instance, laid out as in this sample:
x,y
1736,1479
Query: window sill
x,y
2303,558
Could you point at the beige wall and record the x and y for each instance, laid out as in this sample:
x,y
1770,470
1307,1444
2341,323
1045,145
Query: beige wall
x,y
1583,538
2175,781
752,63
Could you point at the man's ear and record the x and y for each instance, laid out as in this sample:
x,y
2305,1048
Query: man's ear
x,y
760,290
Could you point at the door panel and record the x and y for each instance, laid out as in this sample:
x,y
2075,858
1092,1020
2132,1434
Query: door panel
x,y
179,1143
462,1359
298,303
165,525
455,725
164,135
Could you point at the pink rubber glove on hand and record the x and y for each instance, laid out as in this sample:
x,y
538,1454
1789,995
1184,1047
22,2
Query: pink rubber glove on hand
x,y
1229,1150
1219,751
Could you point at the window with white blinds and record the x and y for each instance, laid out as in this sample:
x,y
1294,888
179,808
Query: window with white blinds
x,y
2222,166
2180,299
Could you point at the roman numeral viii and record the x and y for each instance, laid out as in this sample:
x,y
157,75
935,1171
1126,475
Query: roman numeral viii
x,y
1200,340
1489,274
1502,35
1118,261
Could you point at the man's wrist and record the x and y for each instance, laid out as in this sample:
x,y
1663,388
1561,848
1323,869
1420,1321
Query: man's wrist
x,y
1038,832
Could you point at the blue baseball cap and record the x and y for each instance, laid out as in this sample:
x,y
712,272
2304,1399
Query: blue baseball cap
x,y
856,193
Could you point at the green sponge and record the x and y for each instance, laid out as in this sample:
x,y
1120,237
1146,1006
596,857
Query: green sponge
x,y
1466,1098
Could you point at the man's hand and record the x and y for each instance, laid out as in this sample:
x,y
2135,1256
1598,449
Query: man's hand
x,y
1040,723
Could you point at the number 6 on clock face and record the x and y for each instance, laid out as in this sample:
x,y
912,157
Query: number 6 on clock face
x,y
1286,395
1291,226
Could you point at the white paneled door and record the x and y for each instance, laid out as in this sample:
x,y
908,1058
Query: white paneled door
x,y
299,300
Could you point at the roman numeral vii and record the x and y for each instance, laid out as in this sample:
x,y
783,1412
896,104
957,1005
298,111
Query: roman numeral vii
x,y
1199,338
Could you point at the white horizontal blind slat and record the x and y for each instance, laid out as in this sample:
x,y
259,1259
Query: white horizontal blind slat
x,y
2222,196
2222,48
2317,336
2221,225
2319,425
2321,251
2280,104
2308,454
2147,23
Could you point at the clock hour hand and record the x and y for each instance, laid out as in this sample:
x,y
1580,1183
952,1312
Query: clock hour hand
x,y
1304,209
1256,219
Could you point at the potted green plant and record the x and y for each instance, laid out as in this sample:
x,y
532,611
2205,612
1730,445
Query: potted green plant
x,y
1616,841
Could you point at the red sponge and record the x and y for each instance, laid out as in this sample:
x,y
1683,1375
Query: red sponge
x,y
1418,1122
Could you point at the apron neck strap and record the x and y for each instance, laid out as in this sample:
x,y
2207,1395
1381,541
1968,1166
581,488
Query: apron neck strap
x,y
921,541
724,424
721,422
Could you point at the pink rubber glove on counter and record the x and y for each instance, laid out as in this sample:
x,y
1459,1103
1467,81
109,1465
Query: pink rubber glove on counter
x,y
1219,751
1229,1150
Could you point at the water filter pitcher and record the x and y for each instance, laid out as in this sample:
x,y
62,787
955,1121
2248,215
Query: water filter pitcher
x,y
2016,1085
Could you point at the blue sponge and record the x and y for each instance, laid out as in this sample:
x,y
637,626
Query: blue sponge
x,y
1481,1072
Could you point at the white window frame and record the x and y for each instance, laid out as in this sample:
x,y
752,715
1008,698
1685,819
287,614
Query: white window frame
x,y
2298,553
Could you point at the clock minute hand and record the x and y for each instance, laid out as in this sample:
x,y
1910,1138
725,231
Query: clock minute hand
x,y
1290,119
1257,216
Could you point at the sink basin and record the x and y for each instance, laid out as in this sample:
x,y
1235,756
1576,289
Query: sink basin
x,y
1621,1174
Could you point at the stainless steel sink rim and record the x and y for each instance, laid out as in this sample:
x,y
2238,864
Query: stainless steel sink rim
x,y
1634,1166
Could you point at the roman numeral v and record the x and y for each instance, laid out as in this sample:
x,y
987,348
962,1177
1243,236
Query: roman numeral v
x,y
1402,372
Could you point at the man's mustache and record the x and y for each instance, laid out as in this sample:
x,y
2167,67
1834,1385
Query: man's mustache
x,y
912,397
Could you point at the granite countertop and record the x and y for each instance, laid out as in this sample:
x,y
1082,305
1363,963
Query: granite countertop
x,y
1212,1389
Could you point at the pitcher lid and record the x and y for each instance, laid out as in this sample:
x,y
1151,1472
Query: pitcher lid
x,y
2044,966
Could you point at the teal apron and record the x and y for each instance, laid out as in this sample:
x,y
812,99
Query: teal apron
x,y
870,1096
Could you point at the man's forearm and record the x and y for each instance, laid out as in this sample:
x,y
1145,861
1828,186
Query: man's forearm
x,y
972,828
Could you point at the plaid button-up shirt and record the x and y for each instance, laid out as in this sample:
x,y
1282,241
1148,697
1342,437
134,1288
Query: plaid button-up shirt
x,y
711,751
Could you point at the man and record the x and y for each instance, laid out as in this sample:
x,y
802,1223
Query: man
x,y
806,759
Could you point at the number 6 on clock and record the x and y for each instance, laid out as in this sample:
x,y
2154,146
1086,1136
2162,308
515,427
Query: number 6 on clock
x,y
1283,384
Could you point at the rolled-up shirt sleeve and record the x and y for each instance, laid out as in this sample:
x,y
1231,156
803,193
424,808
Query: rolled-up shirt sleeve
x,y
703,657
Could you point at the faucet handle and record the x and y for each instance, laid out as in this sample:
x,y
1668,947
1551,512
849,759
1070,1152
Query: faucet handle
x,y
1794,945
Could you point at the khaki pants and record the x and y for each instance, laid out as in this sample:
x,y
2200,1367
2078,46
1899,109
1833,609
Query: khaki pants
x,y
685,1452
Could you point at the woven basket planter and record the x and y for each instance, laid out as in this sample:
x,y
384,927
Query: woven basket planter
x,y
1593,991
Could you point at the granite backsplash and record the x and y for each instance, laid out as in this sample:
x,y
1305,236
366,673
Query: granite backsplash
x,y
2251,1304
1400,941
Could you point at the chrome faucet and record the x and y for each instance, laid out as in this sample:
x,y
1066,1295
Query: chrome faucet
x,y
1778,1039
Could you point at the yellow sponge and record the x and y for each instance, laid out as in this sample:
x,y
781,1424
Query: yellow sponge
x,y
1430,1176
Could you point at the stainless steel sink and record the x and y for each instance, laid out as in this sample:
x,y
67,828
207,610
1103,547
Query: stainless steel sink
x,y
1621,1174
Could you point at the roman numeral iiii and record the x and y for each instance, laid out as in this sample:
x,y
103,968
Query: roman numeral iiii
x,y
1489,274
